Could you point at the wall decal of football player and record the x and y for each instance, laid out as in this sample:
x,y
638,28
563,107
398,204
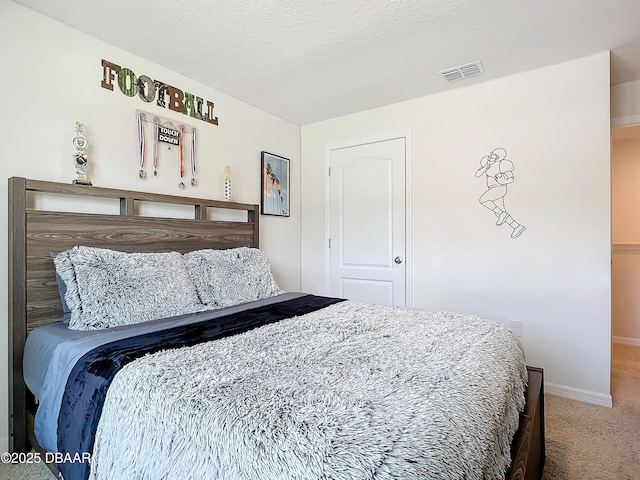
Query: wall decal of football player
x,y
498,171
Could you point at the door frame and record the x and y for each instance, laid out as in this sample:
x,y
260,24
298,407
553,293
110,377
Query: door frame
x,y
408,213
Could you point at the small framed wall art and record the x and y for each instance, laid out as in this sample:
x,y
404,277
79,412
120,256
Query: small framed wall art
x,y
275,185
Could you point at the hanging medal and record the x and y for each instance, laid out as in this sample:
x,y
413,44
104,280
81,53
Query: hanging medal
x,y
141,145
181,185
193,157
156,125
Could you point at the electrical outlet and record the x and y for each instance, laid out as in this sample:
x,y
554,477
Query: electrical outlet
x,y
516,327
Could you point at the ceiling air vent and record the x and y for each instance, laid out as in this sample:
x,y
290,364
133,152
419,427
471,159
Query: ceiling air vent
x,y
463,71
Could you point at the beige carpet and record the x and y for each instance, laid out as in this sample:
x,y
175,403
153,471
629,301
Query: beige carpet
x,y
584,442
587,442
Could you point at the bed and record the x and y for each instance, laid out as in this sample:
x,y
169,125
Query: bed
x,y
353,440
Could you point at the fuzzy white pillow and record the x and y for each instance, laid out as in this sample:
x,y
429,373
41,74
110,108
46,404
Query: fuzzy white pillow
x,y
107,288
224,278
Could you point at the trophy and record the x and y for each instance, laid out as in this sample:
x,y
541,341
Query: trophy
x,y
80,157
227,184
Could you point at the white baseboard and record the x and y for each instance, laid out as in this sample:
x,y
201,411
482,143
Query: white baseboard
x,y
634,342
4,444
578,394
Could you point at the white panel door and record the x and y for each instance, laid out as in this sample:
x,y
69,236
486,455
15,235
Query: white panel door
x,y
367,224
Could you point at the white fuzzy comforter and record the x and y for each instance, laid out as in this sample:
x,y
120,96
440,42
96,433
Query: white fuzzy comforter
x,y
348,392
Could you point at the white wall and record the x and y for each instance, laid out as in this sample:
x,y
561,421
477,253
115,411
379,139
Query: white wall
x,y
554,123
625,194
625,104
625,199
50,76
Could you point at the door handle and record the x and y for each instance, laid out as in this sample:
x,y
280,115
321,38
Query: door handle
x,y
398,260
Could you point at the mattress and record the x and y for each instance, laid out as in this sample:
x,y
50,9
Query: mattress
x,y
39,348
342,391
52,350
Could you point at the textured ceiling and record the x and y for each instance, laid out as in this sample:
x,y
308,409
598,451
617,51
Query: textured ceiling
x,y
310,60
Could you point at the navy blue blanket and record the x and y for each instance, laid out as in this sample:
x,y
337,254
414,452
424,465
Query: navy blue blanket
x,y
90,378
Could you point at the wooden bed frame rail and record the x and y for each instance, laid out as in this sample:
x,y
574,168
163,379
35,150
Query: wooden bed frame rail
x,y
528,447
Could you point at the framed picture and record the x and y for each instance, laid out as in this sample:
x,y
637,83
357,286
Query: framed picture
x,y
275,185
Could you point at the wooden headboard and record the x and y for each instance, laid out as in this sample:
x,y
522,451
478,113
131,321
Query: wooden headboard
x,y
34,234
